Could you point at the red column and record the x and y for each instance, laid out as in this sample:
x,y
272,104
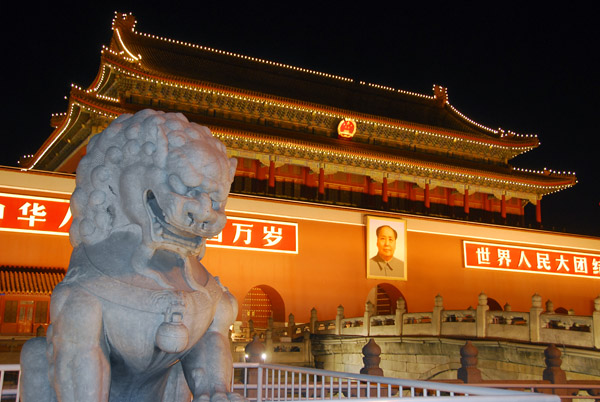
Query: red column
x,y
538,211
522,207
384,190
484,201
304,175
449,197
311,179
466,200
503,206
370,185
427,202
321,181
272,174
260,171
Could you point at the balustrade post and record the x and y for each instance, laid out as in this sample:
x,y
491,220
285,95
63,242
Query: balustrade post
x,y
250,328
291,324
400,310
553,372
307,347
268,345
481,321
596,322
534,318
549,306
367,318
254,352
468,371
371,352
338,319
436,319
313,320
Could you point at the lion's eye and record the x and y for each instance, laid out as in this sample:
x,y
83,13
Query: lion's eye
x,y
177,185
194,193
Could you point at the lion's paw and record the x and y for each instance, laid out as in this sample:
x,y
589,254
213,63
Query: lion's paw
x,y
221,397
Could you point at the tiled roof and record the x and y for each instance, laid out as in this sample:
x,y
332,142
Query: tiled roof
x,y
418,135
29,280
167,59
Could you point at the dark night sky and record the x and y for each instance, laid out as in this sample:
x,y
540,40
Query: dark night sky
x,y
523,68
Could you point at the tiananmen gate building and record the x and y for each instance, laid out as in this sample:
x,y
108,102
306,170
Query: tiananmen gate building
x,y
323,162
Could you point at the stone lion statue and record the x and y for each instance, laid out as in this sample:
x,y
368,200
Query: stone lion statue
x,y
137,317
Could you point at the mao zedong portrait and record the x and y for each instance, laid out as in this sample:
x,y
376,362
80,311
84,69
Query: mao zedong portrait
x,y
384,263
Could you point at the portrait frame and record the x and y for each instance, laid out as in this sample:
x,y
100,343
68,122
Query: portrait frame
x,y
376,267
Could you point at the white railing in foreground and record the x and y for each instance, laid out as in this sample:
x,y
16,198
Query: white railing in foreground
x,y
9,382
270,382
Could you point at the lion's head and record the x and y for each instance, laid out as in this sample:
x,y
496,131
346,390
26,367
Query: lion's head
x,y
155,174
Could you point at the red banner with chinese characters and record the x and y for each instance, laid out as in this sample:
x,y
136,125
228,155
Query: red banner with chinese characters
x,y
29,214
529,259
256,234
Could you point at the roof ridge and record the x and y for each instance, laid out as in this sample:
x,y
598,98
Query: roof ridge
x,y
125,22
367,118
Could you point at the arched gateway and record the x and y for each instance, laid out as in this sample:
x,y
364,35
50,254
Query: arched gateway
x,y
260,303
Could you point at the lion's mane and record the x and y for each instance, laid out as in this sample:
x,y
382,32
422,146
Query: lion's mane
x,y
146,139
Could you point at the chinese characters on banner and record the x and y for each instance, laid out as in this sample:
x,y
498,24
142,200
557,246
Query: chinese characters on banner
x,y
34,214
528,259
30,214
255,234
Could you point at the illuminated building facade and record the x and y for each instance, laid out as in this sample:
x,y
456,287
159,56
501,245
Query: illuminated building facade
x,y
408,153
318,154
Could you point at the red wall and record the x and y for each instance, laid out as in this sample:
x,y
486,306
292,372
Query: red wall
x,y
330,269
34,250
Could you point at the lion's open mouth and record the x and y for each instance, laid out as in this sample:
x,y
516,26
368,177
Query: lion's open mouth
x,y
167,231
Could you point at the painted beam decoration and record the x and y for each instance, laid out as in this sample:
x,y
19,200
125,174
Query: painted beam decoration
x,y
257,235
29,214
517,258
